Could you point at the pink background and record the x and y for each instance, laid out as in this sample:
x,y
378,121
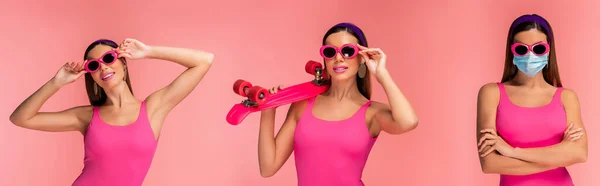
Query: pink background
x,y
440,53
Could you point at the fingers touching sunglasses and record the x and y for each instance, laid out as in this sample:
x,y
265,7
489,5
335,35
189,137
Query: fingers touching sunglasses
x,y
92,65
538,49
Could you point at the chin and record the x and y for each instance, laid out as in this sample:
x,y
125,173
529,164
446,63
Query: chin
x,y
343,76
110,84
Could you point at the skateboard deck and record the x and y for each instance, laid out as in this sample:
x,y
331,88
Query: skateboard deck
x,y
259,98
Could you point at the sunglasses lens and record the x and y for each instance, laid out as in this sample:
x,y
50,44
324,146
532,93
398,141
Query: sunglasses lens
x,y
539,49
329,52
348,51
93,65
108,58
521,50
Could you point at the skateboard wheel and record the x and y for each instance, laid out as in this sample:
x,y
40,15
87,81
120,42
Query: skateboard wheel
x,y
258,94
241,87
311,67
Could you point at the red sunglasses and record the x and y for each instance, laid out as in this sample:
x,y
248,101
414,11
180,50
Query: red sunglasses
x,y
540,48
109,57
349,51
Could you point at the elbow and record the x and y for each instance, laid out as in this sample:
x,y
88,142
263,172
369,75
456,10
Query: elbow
x,y
409,125
15,120
486,168
12,118
579,156
414,123
266,173
210,57
203,60
401,127
582,157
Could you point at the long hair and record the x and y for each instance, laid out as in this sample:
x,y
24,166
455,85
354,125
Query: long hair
x,y
364,84
525,23
99,98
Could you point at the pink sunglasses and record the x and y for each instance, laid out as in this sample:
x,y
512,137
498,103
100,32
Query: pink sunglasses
x,y
520,49
92,65
349,51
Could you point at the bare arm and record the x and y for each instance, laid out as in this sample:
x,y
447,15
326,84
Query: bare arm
x,y
399,117
273,152
495,163
27,114
567,152
197,63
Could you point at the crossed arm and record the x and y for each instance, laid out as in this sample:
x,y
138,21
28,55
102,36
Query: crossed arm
x,y
524,161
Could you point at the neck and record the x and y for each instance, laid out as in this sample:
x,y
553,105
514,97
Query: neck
x,y
343,89
118,95
530,82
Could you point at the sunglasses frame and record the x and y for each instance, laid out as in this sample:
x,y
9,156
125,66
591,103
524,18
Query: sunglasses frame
x,y
530,48
339,50
87,62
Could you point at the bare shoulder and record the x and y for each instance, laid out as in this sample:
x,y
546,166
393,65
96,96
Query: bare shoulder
x,y
569,97
489,92
378,106
299,104
152,103
84,112
154,109
84,115
297,109
489,89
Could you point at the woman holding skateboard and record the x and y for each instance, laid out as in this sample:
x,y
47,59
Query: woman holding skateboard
x,y
120,131
332,133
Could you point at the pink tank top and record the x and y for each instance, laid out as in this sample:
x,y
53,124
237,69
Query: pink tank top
x,y
117,155
528,127
331,153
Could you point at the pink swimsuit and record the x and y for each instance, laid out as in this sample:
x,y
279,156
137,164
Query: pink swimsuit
x,y
533,127
117,155
331,153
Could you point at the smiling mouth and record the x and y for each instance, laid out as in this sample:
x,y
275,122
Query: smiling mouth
x,y
108,76
340,69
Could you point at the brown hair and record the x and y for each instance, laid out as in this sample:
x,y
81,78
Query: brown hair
x,y
364,84
550,72
99,98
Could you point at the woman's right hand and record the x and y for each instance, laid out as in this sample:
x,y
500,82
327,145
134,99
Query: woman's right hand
x,y
274,91
69,72
491,138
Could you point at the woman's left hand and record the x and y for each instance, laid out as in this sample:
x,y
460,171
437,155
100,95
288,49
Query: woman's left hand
x,y
375,60
133,49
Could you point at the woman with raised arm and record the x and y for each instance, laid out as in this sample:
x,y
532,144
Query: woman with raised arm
x,y
332,134
120,131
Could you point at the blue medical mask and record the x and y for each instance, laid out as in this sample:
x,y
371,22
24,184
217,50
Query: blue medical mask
x,y
530,64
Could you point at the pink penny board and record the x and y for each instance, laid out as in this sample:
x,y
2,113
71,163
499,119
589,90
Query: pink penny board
x,y
257,102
